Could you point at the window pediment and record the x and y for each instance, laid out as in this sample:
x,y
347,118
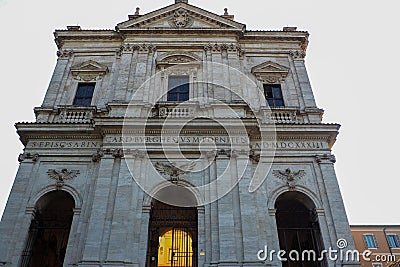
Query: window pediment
x,y
170,59
270,72
89,71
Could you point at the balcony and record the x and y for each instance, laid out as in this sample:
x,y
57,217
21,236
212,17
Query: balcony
x,y
282,115
75,114
175,110
65,114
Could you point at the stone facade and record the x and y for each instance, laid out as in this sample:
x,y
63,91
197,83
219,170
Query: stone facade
x,y
86,151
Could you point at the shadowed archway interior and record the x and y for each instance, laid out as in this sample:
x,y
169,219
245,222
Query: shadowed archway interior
x,y
299,230
49,231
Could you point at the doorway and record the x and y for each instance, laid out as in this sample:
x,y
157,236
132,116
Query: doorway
x,y
299,230
49,231
172,236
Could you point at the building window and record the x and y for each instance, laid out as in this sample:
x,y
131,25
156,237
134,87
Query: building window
x,y
273,94
370,241
84,94
377,265
393,240
178,88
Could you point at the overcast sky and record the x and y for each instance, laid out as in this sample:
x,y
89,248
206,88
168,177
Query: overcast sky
x,y
353,63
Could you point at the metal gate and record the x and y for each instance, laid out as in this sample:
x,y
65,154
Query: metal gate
x,y
172,236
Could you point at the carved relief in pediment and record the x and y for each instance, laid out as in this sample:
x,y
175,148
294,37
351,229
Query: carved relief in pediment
x,y
89,71
181,19
175,58
180,16
270,72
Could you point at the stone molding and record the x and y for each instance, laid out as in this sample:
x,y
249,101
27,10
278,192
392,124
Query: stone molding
x,y
299,55
175,58
24,156
89,71
270,72
326,159
65,54
144,48
232,48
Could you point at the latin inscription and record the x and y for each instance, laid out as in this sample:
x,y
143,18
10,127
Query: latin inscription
x,y
219,140
64,144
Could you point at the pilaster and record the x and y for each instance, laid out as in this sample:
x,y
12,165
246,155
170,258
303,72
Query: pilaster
x,y
58,77
339,218
97,221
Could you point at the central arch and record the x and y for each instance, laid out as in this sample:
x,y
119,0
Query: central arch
x,y
173,233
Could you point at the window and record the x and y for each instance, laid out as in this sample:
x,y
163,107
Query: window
x,y
273,94
377,265
84,94
370,241
178,88
393,240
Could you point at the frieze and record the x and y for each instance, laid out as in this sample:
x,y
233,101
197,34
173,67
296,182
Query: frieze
x,y
230,48
64,144
141,48
219,140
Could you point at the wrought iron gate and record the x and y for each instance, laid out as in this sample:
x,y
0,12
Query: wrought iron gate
x,y
179,227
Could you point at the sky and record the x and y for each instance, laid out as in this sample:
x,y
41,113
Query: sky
x,y
352,61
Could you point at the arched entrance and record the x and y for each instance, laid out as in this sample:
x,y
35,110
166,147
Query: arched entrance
x,y
49,231
298,230
172,236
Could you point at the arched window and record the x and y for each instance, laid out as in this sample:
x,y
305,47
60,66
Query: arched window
x,y
298,230
49,231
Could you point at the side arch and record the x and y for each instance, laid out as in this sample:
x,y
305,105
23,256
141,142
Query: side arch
x,y
67,188
301,189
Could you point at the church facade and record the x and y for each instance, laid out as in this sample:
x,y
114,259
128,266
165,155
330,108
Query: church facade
x,y
178,139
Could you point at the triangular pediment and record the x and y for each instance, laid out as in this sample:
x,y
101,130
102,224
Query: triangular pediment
x,y
90,66
269,67
89,71
180,16
270,72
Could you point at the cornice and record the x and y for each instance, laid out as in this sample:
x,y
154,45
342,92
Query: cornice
x,y
169,10
85,35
